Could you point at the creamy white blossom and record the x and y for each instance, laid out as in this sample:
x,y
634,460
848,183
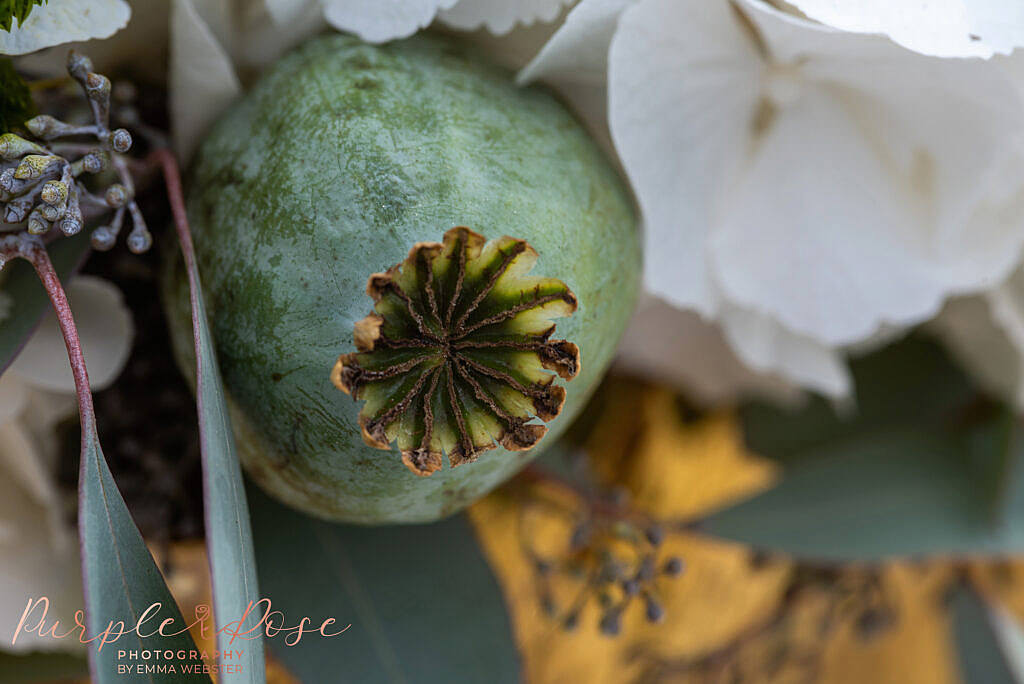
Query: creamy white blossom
x,y
216,44
944,28
38,546
806,188
64,21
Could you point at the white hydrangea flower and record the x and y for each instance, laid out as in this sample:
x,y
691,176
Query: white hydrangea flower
x,y
64,21
806,188
38,547
216,43
944,28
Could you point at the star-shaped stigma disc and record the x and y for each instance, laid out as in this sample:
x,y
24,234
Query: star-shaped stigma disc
x,y
456,356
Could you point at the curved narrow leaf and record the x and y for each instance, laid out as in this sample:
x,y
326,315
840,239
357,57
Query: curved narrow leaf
x,y
421,600
922,465
22,292
122,581
989,642
228,530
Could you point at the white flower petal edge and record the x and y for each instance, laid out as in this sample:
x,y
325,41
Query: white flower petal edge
x,y
377,21
202,80
683,78
682,349
942,28
500,16
38,555
104,327
578,51
768,347
65,21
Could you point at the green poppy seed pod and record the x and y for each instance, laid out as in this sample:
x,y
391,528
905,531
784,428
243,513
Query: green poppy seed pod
x,y
417,293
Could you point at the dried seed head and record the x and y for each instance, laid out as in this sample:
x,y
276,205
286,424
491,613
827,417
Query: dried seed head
x,y
455,357
97,87
654,611
611,622
121,140
673,567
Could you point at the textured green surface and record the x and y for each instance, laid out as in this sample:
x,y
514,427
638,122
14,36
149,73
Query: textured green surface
x,y
330,169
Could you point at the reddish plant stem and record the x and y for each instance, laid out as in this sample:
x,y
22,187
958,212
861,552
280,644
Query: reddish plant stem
x,y
37,255
172,179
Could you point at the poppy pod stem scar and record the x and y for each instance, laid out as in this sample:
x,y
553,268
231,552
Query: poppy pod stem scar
x,y
456,357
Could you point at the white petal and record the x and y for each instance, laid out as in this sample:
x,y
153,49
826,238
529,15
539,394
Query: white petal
x,y
13,396
682,349
285,11
65,21
38,556
202,80
578,51
768,347
943,28
104,328
500,16
683,80
377,21
888,182
984,345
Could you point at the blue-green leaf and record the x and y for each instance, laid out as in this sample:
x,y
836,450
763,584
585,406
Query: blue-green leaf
x,y
21,289
228,530
989,642
923,465
422,602
121,578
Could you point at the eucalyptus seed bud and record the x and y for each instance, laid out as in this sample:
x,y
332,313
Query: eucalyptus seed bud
x,y
17,211
70,225
34,166
37,224
139,241
97,87
43,126
49,212
121,140
78,65
116,196
54,192
12,147
103,238
95,161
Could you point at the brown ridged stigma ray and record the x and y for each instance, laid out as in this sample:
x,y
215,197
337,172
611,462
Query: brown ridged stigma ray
x,y
456,357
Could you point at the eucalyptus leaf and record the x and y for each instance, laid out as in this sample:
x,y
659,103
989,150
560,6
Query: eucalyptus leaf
x,y
989,642
23,301
421,600
121,579
923,464
228,530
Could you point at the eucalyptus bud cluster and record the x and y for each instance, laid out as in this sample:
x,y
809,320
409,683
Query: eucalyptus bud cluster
x,y
43,185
